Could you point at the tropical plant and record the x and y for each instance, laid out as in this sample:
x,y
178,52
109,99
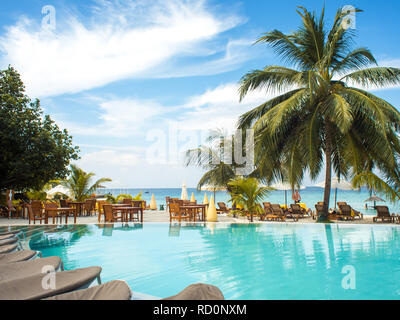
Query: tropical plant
x,y
248,193
390,186
33,150
211,158
41,194
319,117
111,199
123,196
138,197
79,183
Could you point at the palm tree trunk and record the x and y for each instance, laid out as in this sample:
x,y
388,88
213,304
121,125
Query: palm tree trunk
x,y
328,173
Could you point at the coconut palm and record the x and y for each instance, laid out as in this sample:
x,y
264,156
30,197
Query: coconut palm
x,y
248,193
321,115
211,158
79,183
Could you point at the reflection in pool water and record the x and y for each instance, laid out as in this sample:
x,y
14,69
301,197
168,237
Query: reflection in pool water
x,y
246,261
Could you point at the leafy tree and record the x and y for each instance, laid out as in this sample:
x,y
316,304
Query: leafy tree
x,y
322,117
79,183
33,150
248,193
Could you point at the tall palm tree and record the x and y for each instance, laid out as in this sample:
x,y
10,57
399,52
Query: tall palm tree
x,y
248,193
79,183
320,115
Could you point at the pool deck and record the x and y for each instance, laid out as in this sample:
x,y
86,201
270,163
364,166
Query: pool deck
x,y
163,216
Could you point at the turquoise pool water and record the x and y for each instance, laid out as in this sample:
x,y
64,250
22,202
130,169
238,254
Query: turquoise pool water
x,y
260,261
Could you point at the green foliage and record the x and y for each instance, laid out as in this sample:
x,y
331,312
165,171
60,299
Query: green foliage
x,y
33,149
138,197
248,193
111,199
123,196
316,119
79,183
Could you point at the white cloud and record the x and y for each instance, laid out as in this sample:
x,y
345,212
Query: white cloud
x,y
116,42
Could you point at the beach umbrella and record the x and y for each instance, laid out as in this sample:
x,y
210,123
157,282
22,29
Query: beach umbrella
x,y
153,203
284,186
58,189
212,211
184,194
205,201
375,199
335,183
192,198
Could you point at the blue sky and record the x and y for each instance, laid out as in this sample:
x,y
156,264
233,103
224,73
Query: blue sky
x,y
122,76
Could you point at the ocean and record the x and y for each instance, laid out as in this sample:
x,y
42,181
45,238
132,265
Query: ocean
x,y
310,196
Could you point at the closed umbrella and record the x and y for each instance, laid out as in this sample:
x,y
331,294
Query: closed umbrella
x,y
335,183
184,194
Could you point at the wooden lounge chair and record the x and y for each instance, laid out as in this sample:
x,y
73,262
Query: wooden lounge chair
x,y
297,210
348,213
278,212
222,208
383,215
31,287
176,213
112,290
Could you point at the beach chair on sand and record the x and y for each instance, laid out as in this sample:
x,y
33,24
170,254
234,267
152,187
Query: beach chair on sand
x,y
383,215
32,288
297,210
222,208
348,213
278,212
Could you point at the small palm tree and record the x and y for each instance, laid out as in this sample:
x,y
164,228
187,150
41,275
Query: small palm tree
x,y
322,117
211,158
79,183
248,193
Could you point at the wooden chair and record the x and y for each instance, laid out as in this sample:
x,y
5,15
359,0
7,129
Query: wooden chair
x,y
51,213
111,214
347,212
277,213
64,203
34,214
89,207
175,213
383,214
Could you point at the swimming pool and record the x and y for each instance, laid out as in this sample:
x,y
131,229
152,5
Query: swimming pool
x,y
246,261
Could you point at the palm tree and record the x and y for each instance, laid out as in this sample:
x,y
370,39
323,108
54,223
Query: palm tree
x,y
248,193
79,183
320,117
211,158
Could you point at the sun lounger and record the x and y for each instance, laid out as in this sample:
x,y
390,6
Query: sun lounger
x,y
14,233
8,248
222,208
278,210
383,214
198,291
22,269
297,210
31,288
8,241
113,290
16,256
7,236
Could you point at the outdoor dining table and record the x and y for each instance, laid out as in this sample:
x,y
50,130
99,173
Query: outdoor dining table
x,y
67,211
78,206
192,208
125,210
